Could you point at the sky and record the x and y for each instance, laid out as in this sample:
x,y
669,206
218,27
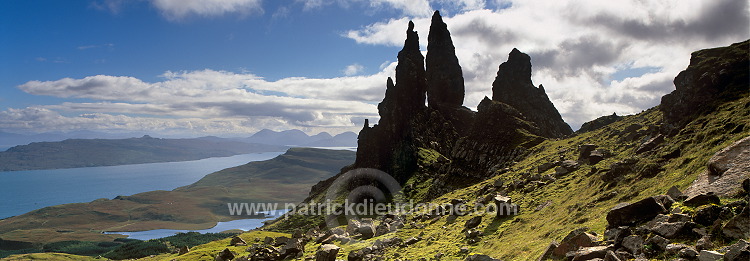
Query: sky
x,y
234,67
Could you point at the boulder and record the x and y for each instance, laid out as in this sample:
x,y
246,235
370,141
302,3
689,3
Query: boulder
x,y
738,251
706,255
224,255
726,172
673,229
584,151
473,222
679,218
611,256
183,250
548,251
617,234
327,252
589,253
629,214
665,200
738,226
237,241
382,229
659,243
650,144
411,241
675,193
688,252
292,248
674,248
633,243
707,215
703,199
574,240
704,243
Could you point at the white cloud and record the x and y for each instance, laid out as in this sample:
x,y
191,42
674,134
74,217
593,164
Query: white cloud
x,y
576,46
337,104
353,69
179,9
417,8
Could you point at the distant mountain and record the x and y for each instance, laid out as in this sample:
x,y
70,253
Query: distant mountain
x,y
346,139
299,138
8,140
75,153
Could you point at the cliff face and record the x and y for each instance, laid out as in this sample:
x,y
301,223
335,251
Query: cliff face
x,y
713,76
513,86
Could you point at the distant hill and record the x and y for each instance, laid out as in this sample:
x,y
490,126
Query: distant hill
x,y
346,139
75,153
286,178
299,138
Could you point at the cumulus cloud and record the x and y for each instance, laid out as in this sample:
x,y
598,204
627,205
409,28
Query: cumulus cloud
x,y
353,69
178,9
336,104
577,46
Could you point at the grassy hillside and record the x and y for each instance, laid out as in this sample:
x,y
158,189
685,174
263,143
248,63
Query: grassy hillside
x,y
76,153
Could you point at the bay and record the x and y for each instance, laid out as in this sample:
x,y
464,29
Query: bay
x,y
24,191
243,224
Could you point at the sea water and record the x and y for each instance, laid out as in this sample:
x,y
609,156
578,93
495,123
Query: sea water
x,y
24,191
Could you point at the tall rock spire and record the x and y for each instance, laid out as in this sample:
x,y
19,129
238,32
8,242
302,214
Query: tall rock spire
x,y
445,80
513,86
406,97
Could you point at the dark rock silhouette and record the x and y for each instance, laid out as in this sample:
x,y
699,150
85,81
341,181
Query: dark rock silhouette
x,y
513,86
713,76
444,76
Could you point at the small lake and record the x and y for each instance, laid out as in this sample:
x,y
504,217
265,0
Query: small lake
x,y
243,224
24,191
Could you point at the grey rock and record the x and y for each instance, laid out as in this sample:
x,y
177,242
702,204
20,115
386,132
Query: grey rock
x,y
738,251
590,253
658,242
628,214
633,243
706,255
688,252
327,252
675,248
703,199
675,193
707,215
673,229
473,222
738,226
547,254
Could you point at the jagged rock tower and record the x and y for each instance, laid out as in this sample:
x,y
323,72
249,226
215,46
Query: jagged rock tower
x,y
472,144
445,80
513,86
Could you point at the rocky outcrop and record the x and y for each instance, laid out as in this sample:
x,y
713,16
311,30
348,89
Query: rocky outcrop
x,y
599,123
726,171
444,76
513,86
713,76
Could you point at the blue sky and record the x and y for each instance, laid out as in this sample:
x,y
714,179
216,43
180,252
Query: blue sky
x,y
233,67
